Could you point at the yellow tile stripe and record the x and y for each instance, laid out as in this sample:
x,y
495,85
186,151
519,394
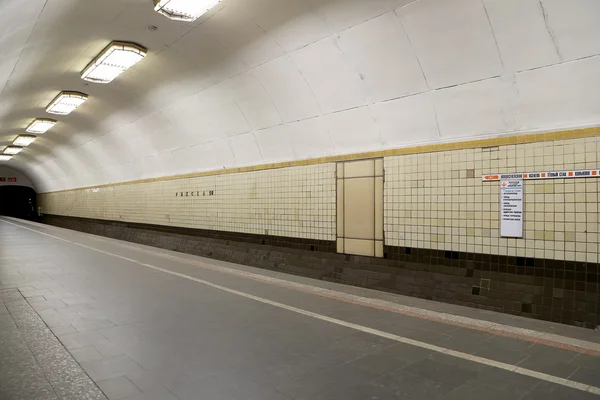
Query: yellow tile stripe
x,y
431,148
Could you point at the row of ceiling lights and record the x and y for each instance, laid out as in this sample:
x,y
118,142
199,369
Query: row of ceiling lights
x,y
115,59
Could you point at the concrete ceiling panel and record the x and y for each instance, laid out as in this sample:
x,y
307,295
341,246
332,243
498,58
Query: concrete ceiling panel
x,y
578,83
280,78
353,130
478,108
245,150
406,120
294,26
275,144
453,40
343,14
310,138
334,83
247,41
522,34
254,102
574,25
380,52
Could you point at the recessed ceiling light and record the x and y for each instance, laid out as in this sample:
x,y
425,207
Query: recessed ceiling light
x,y
4,157
40,125
184,10
12,150
115,59
24,140
66,102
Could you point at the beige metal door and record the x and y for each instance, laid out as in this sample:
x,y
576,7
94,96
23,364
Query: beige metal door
x,y
360,207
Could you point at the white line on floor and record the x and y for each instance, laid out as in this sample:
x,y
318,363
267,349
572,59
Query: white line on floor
x,y
361,328
545,338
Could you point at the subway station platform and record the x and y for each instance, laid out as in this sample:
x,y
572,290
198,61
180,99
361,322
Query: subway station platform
x,y
85,317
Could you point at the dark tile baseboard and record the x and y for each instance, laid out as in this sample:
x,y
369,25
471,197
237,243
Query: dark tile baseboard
x,y
557,291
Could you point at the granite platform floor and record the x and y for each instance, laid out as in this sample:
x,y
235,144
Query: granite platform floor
x,y
84,317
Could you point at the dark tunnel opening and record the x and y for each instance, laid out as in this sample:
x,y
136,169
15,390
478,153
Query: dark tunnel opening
x,y
18,202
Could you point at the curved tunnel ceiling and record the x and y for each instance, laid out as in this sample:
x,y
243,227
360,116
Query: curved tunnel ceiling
x,y
261,81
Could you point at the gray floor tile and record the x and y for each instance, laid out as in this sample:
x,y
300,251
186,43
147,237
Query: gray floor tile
x,y
550,361
36,299
86,325
85,354
410,387
550,391
475,390
118,388
588,375
509,352
450,376
159,379
83,339
156,395
103,369
500,379
109,349
379,363
209,387
584,360
62,330
41,368
324,382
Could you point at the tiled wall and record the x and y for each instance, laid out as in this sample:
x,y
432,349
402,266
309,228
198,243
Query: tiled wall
x,y
296,202
438,201
432,200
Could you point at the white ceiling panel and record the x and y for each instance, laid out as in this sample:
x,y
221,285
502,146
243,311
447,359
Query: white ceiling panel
x,y
310,138
245,150
343,14
574,24
380,52
479,108
577,82
334,83
254,102
293,26
522,34
245,38
453,40
406,120
281,77
353,131
275,144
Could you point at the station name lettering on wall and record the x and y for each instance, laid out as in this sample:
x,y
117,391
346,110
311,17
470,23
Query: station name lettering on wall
x,y
196,193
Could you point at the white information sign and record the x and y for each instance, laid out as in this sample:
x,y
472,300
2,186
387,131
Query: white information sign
x,y
511,208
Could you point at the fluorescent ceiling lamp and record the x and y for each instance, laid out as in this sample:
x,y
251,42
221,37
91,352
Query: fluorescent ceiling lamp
x,y
40,125
12,150
24,140
184,10
115,59
66,102
4,157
